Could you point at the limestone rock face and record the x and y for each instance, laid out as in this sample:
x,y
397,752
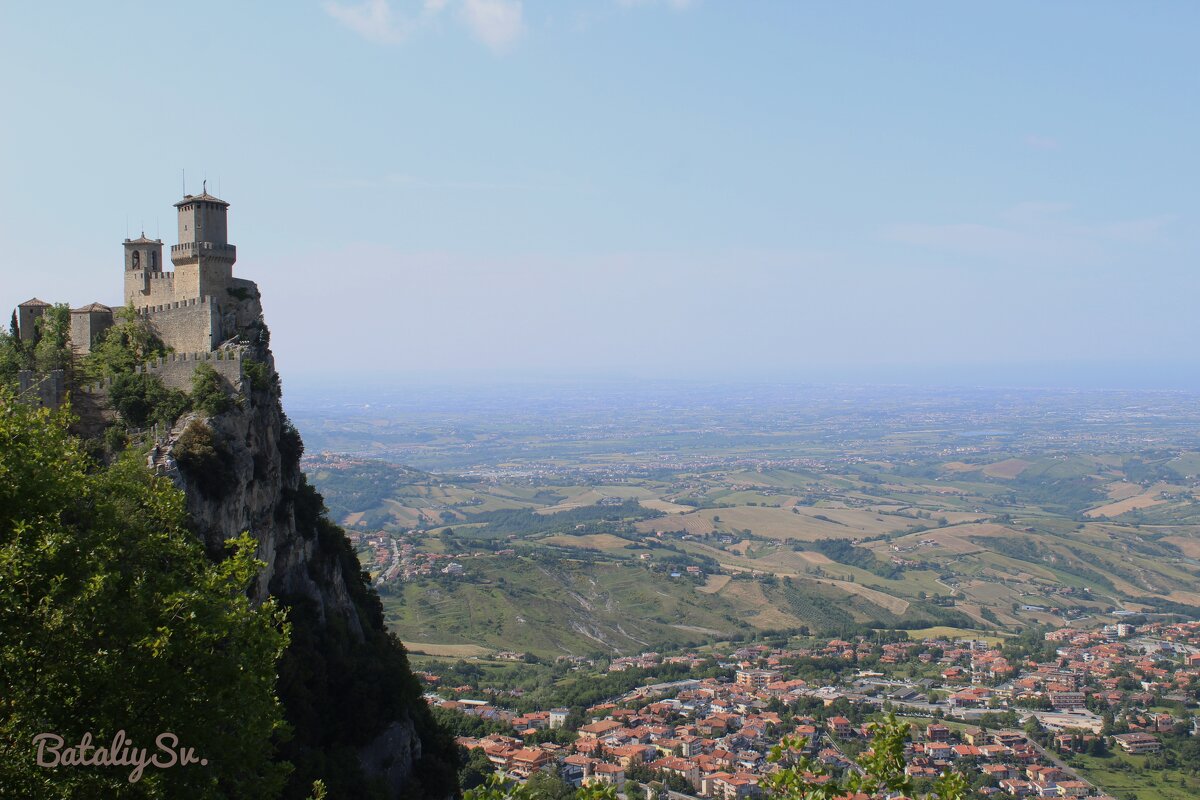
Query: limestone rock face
x,y
311,569
260,500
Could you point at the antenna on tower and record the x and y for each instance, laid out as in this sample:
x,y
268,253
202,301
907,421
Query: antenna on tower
x,y
183,180
204,187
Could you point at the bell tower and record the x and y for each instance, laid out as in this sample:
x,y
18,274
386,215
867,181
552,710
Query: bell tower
x,y
143,253
143,264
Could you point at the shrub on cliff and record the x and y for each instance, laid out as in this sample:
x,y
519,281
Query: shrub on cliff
x,y
143,400
260,376
113,619
209,392
205,460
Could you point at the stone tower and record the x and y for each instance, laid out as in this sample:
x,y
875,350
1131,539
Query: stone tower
x,y
27,315
145,282
204,257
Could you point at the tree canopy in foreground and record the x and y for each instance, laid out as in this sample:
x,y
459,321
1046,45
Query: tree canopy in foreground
x,y
112,619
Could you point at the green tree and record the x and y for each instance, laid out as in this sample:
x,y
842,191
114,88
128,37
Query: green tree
x,y
475,769
206,459
53,348
544,786
13,356
143,400
882,771
113,619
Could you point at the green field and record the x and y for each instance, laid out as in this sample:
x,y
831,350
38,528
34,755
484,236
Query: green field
x,y
1127,776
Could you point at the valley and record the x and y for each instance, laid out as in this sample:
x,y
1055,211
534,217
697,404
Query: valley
x,y
620,519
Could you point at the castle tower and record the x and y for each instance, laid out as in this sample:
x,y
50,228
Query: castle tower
x,y
27,315
204,257
143,264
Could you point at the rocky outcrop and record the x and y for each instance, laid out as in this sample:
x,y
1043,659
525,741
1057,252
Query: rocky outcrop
x,y
359,721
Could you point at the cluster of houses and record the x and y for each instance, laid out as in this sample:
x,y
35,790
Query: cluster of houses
x,y
713,734
714,738
393,558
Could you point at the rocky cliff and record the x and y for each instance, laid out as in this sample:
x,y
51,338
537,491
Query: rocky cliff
x,y
359,721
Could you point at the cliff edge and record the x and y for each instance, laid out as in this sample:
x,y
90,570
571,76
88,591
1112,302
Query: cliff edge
x,y
357,713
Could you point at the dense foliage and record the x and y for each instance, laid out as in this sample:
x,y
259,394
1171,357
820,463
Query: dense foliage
x,y
142,400
113,619
50,349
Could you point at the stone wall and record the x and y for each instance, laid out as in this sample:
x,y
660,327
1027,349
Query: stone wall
x,y
187,326
48,389
176,370
207,277
145,288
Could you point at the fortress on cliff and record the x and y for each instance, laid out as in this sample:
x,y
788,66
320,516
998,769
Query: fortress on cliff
x,y
199,310
192,309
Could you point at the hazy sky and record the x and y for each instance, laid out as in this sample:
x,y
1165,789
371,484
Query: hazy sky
x,y
714,187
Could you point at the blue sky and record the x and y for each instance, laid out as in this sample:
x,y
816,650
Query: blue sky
x,y
492,187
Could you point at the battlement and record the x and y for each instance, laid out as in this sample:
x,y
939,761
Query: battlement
x,y
48,389
100,387
176,370
189,250
155,275
146,311
212,355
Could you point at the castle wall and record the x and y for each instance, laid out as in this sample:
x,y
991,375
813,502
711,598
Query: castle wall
x,y
187,326
86,326
176,370
143,288
203,278
47,390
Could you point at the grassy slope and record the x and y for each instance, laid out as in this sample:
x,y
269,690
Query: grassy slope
x,y
564,607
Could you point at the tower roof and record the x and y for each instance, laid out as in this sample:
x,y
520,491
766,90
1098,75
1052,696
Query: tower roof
x,y
34,303
91,308
203,197
143,239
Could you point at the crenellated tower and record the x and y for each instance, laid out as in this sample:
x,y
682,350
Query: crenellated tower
x,y
204,257
192,307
